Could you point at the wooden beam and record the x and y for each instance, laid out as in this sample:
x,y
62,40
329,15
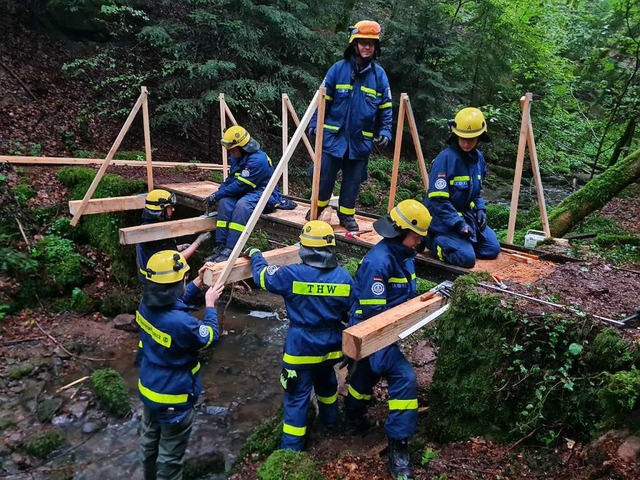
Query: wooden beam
x,y
535,167
23,160
147,137
107,160
396,154
242,268
522,144
285,141
268,189
106,205
317,161
162,230
377,332
413,128
296,120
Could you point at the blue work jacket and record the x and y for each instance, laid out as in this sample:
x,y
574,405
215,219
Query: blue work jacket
x,y
358,109
385,278
455,189
172,338
317,302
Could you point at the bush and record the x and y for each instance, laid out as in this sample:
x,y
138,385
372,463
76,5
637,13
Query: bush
x,y
290,465
45,443
63,266
109,387
619,399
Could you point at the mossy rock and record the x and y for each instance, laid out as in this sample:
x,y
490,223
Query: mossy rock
x,y
21,371
43,444
63,266
290,465
110,389
119,300
205,464
265,439
620,399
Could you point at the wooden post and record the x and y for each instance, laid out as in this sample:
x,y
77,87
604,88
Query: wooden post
x,y
223,127
107,160
413,128
269,189
147,137
396,154
296,120
535,166
525,102
285,141
317,163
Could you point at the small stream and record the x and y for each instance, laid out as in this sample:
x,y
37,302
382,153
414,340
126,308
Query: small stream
x,y
241,390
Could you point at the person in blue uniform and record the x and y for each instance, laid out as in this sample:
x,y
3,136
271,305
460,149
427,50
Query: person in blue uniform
x,y
317,295
159,206
459,232
358,114
237,196
386,278
170,382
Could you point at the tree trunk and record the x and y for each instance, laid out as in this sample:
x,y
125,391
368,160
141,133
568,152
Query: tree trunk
x,y
594,195
624,142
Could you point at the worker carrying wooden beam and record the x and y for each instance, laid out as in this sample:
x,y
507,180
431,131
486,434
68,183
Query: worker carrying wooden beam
x,y
238,195
318,295
386,278
459,232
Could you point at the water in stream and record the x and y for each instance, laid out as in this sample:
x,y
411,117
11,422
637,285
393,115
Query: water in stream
x,y
241,385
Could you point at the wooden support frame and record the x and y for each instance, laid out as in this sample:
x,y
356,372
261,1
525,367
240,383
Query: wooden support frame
x,y
275,177
25,160
242,268
317,161
161,230
375,333
287,109
114,148
225,112
527,140
405,110
107,205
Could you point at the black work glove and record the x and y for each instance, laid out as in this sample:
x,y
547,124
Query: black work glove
x,y
311,133
250,251
464,230
422,245
210,201
481,216
381,141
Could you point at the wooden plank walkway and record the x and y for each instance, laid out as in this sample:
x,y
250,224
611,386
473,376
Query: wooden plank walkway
x,y
507,266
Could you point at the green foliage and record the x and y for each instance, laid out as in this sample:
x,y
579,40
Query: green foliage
x,y
12,261
62,265
424,285
291,465
43,444
610,351
120,300
23,192
80,302
265,439
352,266
61,227
110,389
596,223
427,456
619,399
23,370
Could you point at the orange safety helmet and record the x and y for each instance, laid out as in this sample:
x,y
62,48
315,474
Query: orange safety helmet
x,y
364,29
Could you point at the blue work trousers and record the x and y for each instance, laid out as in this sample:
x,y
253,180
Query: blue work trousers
x,y
391,364
354,172
233,215
296,403
456,250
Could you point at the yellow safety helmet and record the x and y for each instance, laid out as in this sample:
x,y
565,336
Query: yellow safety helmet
x,y
317,233
235,136
407,215
469,123
157,200
165,267
364,29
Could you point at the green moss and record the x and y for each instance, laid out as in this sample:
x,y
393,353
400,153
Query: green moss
x,y
610,351
23,192
266,438
352,266
424,285
120,300
381,176
599,224
607,240
216,176
21,371
43,444
620,400
62,264
109,387
367,197
290,465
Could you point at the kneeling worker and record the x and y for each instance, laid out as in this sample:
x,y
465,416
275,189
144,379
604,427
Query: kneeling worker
x,y
317,295
386,278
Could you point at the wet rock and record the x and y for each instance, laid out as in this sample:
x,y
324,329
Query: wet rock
x,y
201,465
628,451
126,322
62,420
46,409
79,408
61,354
92,427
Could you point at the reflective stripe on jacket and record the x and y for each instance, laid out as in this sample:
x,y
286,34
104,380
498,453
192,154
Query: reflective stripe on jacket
x,y
317,301
172,338
455,189
385,278
358,109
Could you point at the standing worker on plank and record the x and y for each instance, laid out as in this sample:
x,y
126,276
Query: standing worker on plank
x,y
317,295
238,195
386,278
459,232
358,114
169,381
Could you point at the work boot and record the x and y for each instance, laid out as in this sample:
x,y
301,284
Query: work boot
x,y
307,217
348,222
215,252
399,459
223,256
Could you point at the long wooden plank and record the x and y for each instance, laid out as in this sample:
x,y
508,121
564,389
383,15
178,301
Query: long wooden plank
x,y
396,154
296,120
382,330
413,128
147,138
106,205
242,268
537,178
317,161
22,160
285,142
159,231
